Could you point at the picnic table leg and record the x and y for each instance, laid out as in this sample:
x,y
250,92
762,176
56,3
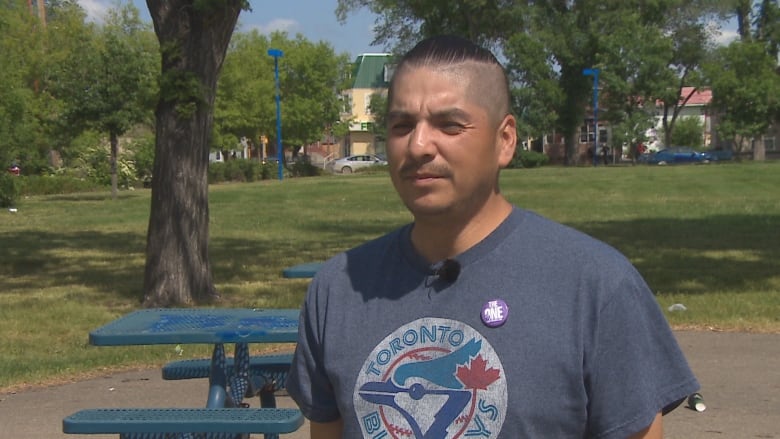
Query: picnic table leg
x,y
239,379
268,400
218,396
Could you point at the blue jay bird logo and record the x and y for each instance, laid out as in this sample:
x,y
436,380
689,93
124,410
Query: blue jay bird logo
x,y
437,380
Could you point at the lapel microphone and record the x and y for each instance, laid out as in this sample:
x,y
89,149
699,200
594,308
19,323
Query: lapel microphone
x,y
449,271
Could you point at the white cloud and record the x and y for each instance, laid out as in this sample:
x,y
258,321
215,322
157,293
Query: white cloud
x,y
723,35
96,10
724,38
278,24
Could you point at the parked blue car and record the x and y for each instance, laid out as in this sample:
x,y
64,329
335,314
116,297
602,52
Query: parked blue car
x,y
676,154
720,154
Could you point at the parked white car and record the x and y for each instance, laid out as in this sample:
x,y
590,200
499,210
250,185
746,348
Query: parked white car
x,y
350,164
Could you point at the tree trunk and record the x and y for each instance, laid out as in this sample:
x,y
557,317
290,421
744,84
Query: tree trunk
x,y
193,41
114,140
743,8
759,151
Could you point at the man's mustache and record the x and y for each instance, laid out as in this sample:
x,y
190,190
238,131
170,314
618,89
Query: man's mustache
x,y
412,169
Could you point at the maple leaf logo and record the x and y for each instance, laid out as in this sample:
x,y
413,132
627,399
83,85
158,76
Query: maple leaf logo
x,y
476,375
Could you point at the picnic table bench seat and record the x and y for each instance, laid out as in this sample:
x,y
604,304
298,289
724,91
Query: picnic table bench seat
x,y
268,373
219,421
270,367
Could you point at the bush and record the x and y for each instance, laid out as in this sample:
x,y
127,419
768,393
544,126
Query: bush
x,y
143,157
269,170
240,170
235,170
55,184
688,131
305,169
9,189
529,159
216,173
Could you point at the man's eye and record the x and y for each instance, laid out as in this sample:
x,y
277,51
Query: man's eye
x,y
452,127
401,128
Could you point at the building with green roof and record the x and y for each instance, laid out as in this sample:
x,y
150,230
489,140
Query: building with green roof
x,y
371,75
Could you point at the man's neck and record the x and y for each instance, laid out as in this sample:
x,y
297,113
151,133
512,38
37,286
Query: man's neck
x,y
440,237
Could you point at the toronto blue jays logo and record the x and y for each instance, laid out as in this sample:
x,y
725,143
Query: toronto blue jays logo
x,y
433,379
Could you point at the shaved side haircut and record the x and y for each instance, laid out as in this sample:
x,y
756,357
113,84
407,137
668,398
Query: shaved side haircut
x,y
487,81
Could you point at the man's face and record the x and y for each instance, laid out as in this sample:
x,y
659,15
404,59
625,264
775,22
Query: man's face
x,y
444,150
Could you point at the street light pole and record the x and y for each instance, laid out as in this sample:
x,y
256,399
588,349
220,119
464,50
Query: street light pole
x,y
276,53
595,73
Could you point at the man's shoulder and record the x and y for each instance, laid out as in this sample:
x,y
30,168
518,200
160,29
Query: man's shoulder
x,y
546,235
365,253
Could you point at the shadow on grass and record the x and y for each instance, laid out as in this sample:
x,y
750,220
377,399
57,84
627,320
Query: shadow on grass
x,y
34,260
721,253
94,196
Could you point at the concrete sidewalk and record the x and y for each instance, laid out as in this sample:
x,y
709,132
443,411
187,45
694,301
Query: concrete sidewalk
x,y
739,374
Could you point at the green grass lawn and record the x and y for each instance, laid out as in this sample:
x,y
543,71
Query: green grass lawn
x,y
705,236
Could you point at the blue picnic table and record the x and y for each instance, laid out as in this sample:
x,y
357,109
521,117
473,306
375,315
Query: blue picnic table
x,y
228,380
301,271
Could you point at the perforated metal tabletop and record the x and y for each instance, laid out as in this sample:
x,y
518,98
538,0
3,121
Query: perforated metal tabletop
x,y
199,325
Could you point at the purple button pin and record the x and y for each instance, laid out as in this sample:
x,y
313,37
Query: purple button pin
x,y
495,313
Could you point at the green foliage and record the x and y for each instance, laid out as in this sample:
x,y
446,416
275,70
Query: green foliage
x,y
26,109
110,84
304,169
143,157
241,170
310,76
184,90
645,50
630,131
210,6
378,108
9,190
688,131
528,159
89,159
745,90
31,185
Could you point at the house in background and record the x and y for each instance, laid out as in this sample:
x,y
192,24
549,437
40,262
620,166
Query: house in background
x,y
241,151
697,106
371,75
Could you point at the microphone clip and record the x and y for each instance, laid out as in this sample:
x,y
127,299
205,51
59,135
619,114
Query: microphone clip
x,y
449,271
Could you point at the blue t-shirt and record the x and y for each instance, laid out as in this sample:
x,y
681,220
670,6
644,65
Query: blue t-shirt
x,y
581,348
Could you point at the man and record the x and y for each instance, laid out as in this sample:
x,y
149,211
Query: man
x,y
479,318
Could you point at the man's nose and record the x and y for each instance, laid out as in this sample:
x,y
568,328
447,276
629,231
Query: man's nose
x,y
422,141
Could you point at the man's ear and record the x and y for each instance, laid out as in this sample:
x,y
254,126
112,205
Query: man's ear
x,y
506,140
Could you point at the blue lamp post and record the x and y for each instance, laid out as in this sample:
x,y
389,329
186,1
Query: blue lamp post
x,y
595,74
276,53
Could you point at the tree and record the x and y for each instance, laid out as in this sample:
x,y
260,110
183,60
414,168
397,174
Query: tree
x,y
690,39
15,95
636,61
112,82
28,110
378,107
194,37
311,80
745,91
244,104
688,132
310,76
768,26
546,44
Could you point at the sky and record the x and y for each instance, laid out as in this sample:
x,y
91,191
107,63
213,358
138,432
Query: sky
x,y
315,19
